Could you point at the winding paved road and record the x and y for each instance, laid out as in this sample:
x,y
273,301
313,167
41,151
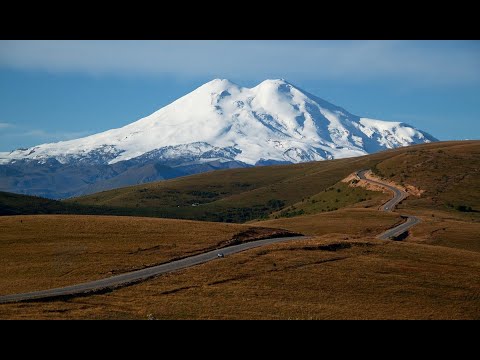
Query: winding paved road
x,y
144,274
398,196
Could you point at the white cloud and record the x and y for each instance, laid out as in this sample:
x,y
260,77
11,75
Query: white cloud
x,y
5,125
420,61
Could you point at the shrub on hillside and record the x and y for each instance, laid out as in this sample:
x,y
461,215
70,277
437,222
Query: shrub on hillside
x,y
463,208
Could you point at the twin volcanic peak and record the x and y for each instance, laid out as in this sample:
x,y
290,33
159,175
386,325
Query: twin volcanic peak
x,y
219,125
274,121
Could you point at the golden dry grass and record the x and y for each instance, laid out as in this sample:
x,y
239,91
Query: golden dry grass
x,y
449,175
447,232
341,273
333,198
354,221
45,251
306,279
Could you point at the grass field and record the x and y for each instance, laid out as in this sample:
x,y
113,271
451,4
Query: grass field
x,y
333,198
450,176
447,231
350,222
321,278
45,251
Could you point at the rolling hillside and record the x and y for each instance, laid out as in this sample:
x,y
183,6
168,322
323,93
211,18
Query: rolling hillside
x,y
341,272
16,204
447,172
240,195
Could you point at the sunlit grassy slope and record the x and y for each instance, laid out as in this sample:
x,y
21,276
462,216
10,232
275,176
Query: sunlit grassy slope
x,y
45,251
447,171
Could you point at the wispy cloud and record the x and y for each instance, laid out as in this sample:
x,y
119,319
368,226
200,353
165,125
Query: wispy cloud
x,y
437,62
4,125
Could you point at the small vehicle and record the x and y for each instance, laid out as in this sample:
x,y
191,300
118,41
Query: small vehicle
x,y
220,255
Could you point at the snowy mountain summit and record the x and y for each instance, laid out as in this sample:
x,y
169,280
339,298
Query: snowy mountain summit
x,y
273,121
231,126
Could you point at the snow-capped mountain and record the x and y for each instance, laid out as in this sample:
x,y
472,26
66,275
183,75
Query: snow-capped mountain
x,y
228,125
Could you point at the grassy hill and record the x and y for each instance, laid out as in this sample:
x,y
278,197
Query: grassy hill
x,y
333,198
449,175
15,204
333,276
45,251
443,169
448,172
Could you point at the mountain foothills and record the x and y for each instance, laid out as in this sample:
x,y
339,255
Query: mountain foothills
x,y
220,125
446,174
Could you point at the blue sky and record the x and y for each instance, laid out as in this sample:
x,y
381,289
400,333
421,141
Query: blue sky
x,y
59,90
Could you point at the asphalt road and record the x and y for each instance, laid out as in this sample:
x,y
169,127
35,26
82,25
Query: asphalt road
x,y
398,196
139,275
400,229
144,274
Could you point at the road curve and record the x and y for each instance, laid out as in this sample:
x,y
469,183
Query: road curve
x,y
398,196
400,229
139,275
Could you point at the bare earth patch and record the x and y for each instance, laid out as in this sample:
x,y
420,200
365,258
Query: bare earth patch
x,y
353,181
